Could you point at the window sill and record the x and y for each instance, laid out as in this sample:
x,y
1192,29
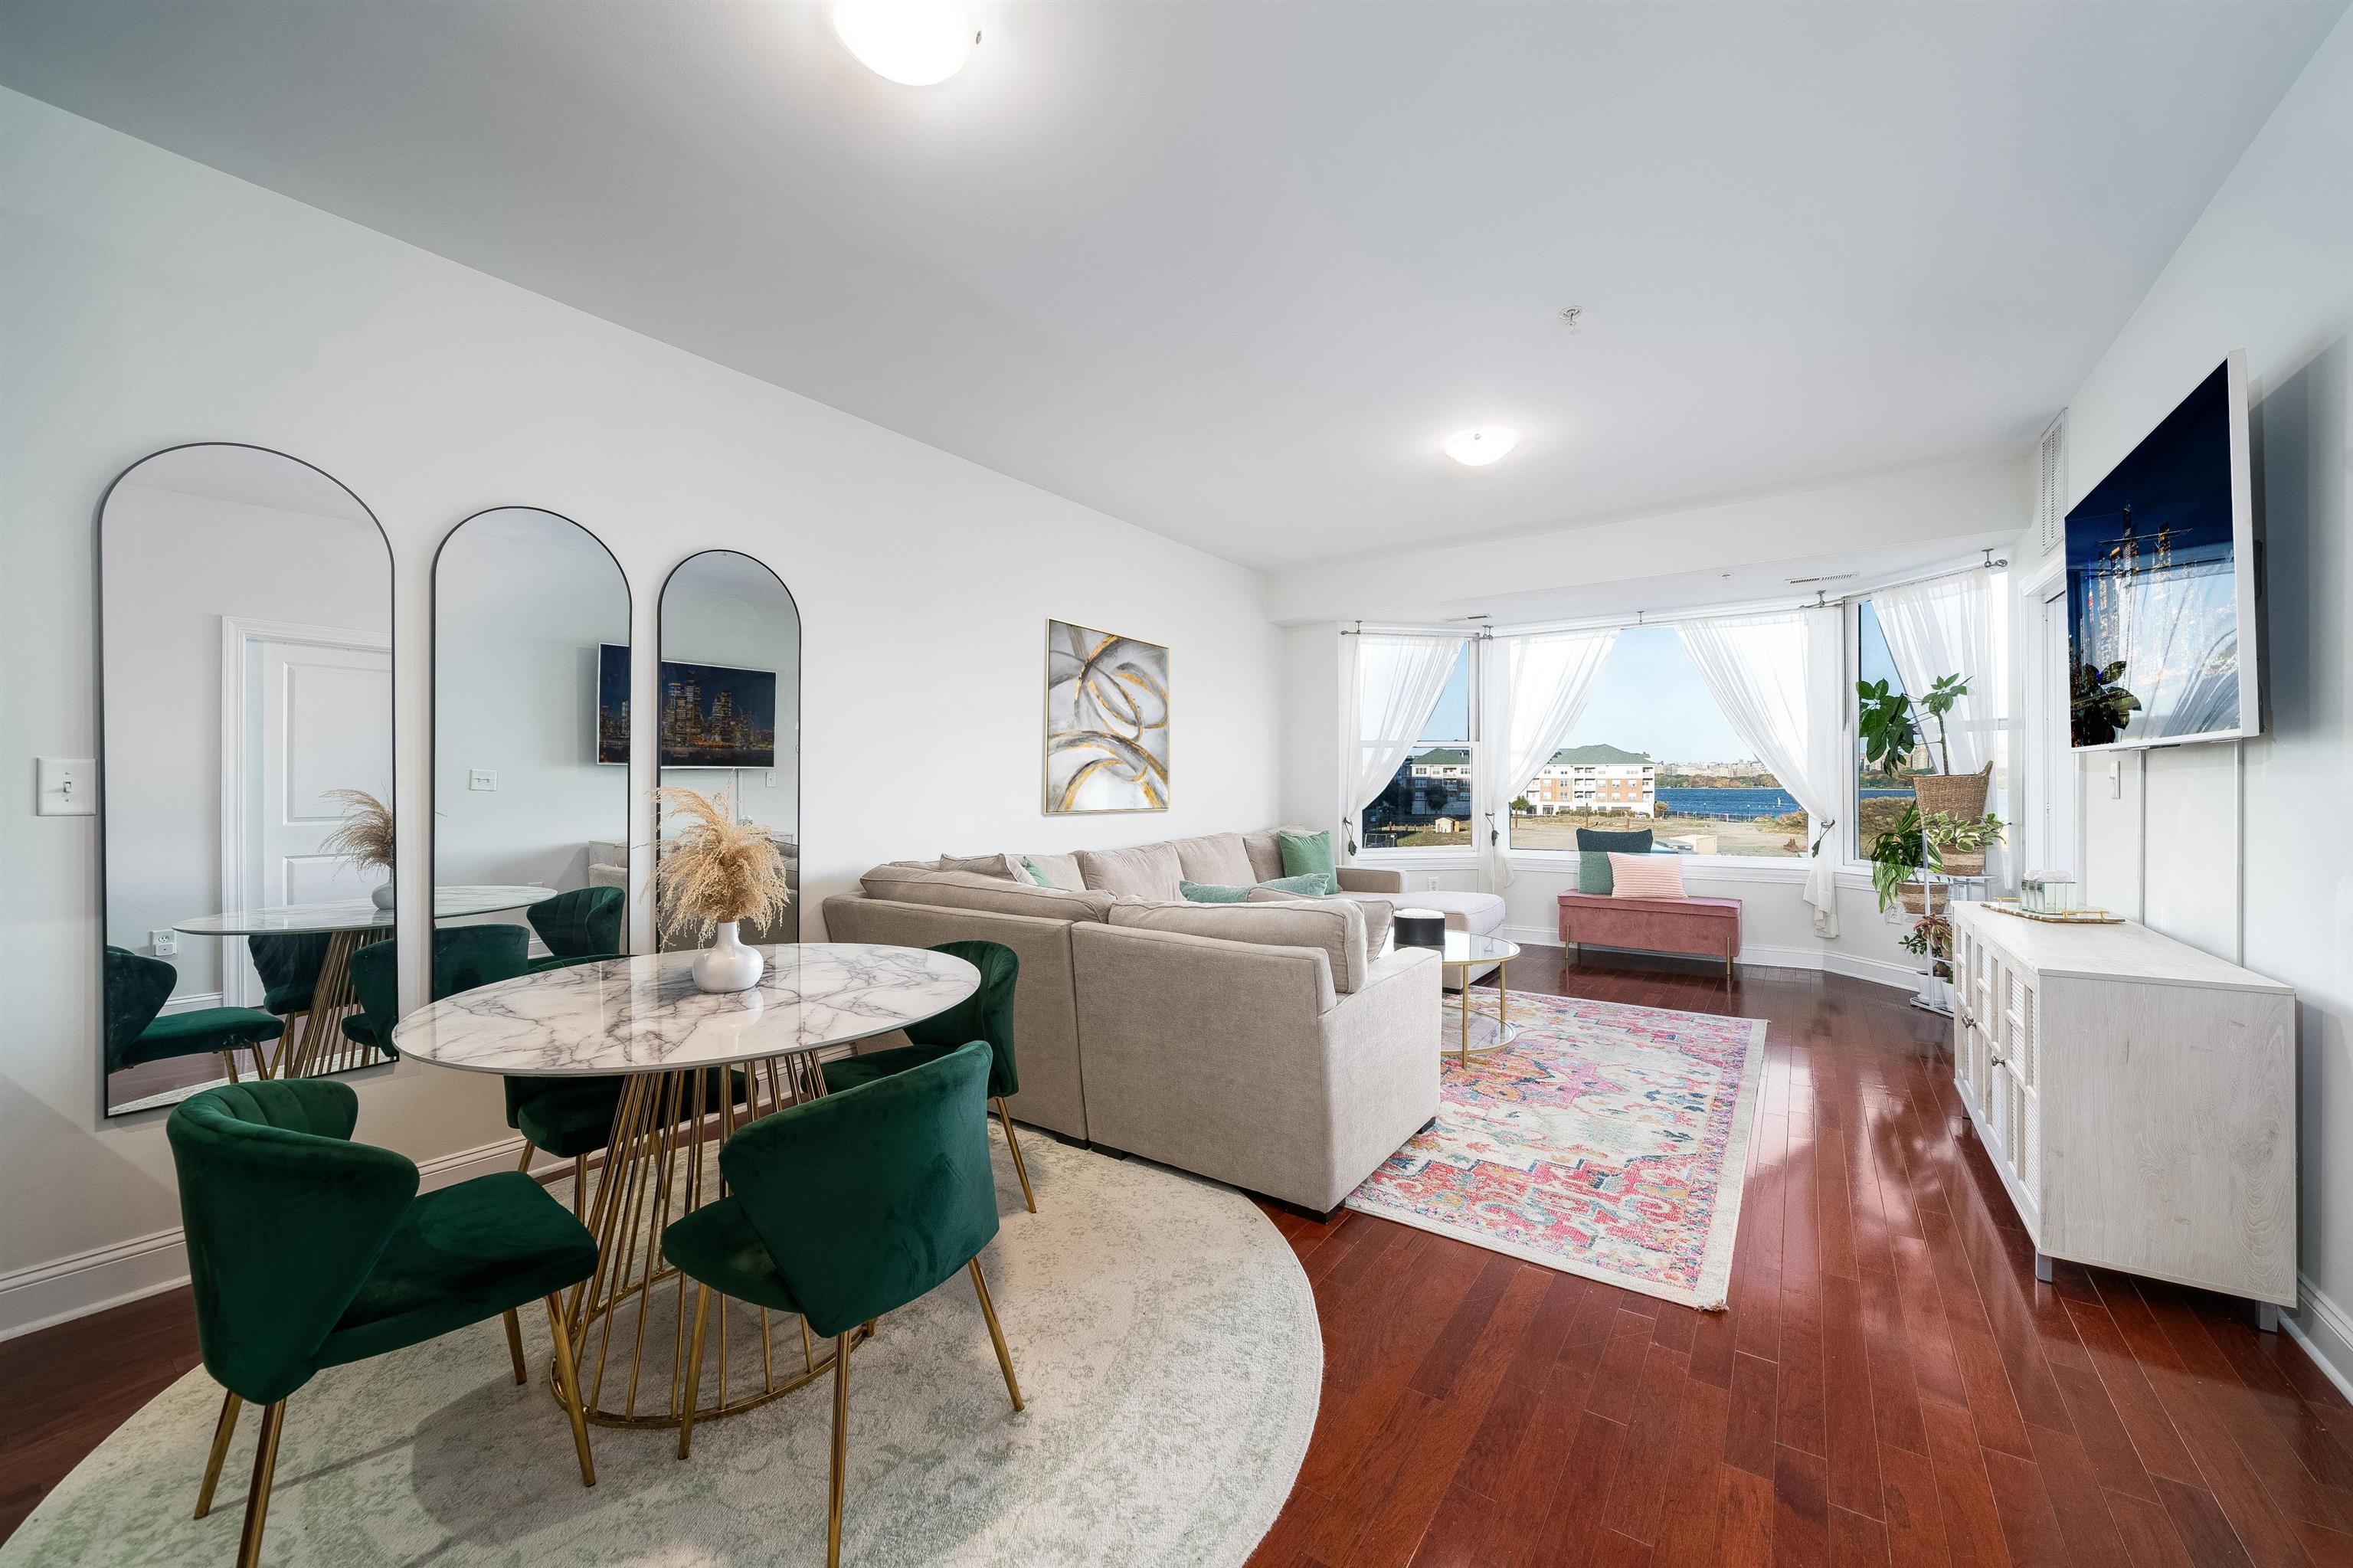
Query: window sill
x,y
1696,867
1431,858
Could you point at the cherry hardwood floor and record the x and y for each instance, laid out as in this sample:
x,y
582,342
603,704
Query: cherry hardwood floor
x,y
1890,1385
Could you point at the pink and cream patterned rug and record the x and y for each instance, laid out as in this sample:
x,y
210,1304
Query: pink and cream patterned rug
x,y
1605,1140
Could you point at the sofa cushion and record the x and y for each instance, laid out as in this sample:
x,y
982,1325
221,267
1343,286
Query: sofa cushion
x,y
1636,841
1646,876
993,894
1147,870
1593,871
997,866
1334,925
1380,914
1055,870
1215,860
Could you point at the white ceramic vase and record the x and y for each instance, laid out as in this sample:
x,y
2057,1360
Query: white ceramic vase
x,y
380,894
728,964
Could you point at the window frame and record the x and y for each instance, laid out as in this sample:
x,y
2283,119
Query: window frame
x,y
1433,856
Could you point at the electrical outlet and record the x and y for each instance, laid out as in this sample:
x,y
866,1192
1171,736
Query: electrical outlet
x,y
771,779
66,787
166,943
2115,777
1430,883
482,779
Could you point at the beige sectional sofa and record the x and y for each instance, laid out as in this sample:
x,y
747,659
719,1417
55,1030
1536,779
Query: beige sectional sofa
x,y
1272,1044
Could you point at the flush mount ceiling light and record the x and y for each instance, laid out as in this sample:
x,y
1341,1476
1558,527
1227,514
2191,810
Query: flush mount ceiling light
x,y
915,43
1477,448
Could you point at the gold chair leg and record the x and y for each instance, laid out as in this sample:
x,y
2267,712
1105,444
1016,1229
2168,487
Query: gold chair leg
x,y
228,1060
693,1370
996,1334
567,1380
841,1451
514,1346
256,1495
527,1152
230,1405
579,1185
1014,1144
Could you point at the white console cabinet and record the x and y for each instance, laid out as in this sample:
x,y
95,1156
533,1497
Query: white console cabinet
x,y
2137,1097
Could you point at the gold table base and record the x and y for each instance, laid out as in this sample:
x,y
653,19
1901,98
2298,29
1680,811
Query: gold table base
x,y
1503,1009
629,1322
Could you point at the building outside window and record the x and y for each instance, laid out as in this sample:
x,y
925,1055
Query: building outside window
x,y
1653,749
1428,802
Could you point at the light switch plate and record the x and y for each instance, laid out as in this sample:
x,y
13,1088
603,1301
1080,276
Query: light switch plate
x,y
482,779
67,787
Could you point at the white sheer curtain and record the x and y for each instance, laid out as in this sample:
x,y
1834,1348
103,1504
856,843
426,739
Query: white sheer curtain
x,y
1394,682
1536,686
1945,627
1777,676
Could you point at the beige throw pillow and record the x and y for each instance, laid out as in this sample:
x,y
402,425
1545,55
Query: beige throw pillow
x,y
985,865
992,894
1056,871
1646,875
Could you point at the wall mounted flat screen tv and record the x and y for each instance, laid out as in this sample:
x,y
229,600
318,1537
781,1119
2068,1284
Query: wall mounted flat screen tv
x,y
712,716
2164,622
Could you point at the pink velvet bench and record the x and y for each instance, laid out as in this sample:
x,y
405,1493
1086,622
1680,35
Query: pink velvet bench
x,y
1702,928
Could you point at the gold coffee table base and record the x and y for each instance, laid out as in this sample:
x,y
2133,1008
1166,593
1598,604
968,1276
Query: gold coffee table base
x,y
629,1322
1504,1031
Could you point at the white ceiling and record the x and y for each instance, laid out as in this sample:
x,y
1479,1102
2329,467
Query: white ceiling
x,y
1231,271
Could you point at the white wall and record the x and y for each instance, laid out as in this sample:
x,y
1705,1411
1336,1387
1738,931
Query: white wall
x,y
147,301
2238,848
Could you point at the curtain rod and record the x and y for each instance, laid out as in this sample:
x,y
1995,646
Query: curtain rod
x,y
1821,599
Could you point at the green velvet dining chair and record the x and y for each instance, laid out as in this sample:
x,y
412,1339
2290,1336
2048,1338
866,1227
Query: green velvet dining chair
x,y
464,957
138,1029
845,1207
986,1014
579,926
289,966
308,1251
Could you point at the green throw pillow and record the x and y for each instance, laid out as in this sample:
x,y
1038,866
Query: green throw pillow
x,y
1303,852
1637,841
1211,892
1034,875
1311,883
1593,872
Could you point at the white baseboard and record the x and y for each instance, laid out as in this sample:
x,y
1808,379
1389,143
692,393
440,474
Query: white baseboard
x,y
2325,1331
69,1287
1825,959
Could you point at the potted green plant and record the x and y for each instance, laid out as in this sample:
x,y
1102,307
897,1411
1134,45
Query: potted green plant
x,y
1904,856
1891,735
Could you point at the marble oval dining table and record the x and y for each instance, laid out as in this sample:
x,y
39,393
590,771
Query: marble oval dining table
x,y
320,1045
676,1045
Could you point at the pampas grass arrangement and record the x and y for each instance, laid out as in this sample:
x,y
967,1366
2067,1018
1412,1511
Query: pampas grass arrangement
x,y
717,869
364,835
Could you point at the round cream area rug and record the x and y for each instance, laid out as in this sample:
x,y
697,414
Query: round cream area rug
x,y
1164,1334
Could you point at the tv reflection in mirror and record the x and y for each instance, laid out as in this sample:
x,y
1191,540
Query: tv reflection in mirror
x,y
2161,589
712,716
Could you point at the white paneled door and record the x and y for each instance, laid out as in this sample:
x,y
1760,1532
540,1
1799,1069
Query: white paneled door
x,y
314,714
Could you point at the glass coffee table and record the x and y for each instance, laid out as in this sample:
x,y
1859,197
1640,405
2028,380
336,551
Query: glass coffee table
x,y
1465,952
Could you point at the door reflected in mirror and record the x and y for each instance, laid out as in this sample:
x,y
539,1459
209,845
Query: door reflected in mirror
x,y
729,693
531,749
245,604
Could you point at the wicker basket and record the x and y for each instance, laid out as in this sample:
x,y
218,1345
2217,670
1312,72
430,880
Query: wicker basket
x,y
1919,897
1962,798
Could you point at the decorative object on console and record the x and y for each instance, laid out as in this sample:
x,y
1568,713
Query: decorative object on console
x,y
1421,928
1646,875
2046,893
365,837
1106,721
1606,1141
718,873
2137,1096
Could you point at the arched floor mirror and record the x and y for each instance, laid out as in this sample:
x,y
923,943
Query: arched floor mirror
x,y
245,669
729,699
531,749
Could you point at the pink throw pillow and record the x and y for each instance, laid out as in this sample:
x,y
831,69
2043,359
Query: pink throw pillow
x,y
1646,875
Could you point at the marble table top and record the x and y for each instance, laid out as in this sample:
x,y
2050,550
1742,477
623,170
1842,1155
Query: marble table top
x,y
644,1014
355,914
